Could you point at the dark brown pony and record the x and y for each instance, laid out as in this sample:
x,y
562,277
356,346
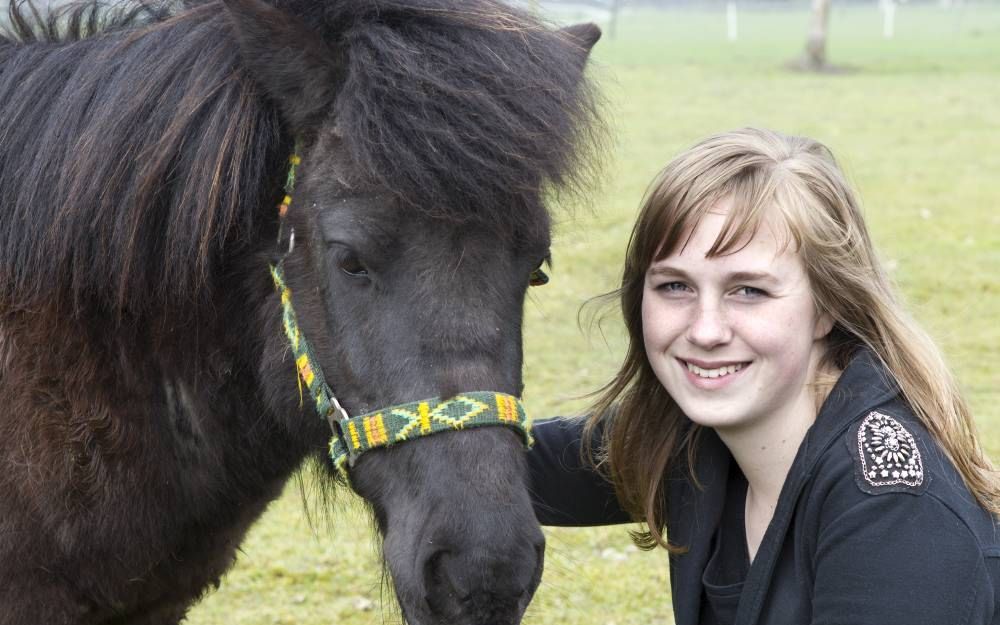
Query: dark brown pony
x,y
149,407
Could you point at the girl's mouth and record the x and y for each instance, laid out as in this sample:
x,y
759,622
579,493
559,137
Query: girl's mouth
x,y
717,372
713,375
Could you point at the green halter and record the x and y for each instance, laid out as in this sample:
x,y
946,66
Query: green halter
x,y
354,435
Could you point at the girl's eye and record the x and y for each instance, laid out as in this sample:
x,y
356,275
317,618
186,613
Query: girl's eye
x,y
749,291
672,287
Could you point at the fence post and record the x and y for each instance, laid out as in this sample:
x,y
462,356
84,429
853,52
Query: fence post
x,y
732,21
888,18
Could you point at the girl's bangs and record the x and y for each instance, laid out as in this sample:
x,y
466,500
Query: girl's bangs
x,y
748,207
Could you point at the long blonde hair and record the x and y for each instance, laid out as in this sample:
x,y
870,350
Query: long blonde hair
x,y
767,173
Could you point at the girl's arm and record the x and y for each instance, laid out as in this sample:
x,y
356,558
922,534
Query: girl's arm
x,y
565,489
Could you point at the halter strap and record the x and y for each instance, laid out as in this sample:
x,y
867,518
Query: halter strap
x,y
429,416
306,362
354,436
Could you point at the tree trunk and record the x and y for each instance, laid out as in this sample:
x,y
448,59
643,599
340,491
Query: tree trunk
x,y
815,58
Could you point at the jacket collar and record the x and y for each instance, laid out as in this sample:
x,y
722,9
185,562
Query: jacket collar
x,y
863,385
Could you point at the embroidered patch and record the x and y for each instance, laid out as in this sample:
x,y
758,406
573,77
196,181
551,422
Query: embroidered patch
x,y
888,456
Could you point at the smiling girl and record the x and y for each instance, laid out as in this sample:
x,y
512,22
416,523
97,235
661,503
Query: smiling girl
x,y
779,424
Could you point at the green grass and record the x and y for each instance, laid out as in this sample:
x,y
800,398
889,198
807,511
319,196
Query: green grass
x,y
916,125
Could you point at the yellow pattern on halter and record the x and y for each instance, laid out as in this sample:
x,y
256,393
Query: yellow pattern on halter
x,y
429,416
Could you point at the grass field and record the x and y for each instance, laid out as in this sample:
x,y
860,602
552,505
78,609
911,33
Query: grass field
x,y
916,124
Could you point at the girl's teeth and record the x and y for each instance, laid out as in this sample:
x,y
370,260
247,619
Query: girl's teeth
x,y
713,373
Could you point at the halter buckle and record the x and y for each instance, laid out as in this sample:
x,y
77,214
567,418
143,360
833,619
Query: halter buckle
x,y
337,417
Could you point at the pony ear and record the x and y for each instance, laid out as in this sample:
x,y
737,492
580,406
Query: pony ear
x,y
583,36
297,69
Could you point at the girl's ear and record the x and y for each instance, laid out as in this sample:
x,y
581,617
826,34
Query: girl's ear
x,y
294,66
824,325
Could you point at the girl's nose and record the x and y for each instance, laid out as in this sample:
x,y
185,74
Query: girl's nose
x,y
709,328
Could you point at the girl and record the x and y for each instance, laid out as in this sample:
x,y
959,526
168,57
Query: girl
x,y
779,424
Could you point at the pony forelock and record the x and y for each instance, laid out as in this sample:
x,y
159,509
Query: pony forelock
x,y
139,154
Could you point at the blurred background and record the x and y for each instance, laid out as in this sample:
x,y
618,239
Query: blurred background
x,y
907,95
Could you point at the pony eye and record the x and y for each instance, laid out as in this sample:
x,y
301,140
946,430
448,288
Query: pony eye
x,y
538,277
351,265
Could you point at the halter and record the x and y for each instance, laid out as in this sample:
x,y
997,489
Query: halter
x,y
352,436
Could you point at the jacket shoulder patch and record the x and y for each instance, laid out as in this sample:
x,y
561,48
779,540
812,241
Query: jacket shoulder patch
x,y
886,457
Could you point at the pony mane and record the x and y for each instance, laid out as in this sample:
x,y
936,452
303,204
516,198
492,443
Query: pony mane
x,y
75,21
463,108
135,154
138,154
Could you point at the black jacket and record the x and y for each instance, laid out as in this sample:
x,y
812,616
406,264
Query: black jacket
x,y
873,525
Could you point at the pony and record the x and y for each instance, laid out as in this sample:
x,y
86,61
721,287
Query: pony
x,y
149,406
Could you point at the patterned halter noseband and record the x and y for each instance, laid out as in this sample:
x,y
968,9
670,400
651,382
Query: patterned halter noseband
x,y
352,436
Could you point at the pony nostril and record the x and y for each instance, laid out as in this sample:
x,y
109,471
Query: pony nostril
x,y
540,548
536,577
460,579
433,572
439,579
